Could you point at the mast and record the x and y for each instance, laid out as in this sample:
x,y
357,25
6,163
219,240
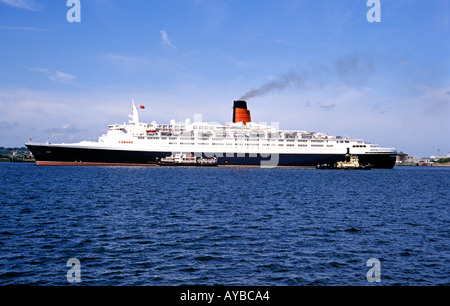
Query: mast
x,y
134,115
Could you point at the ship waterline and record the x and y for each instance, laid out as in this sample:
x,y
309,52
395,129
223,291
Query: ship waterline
x,y
240,143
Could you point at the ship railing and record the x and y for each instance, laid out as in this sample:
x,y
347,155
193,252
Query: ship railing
x,y
383,150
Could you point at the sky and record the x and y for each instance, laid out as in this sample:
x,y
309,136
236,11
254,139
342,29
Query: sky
x,y
313,65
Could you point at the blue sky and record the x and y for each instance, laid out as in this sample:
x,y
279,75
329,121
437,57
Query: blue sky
x,y
312,65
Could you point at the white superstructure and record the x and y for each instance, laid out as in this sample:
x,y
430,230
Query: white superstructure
x,y
231,138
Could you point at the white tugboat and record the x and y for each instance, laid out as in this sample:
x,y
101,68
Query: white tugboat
x,y
351,162
181,159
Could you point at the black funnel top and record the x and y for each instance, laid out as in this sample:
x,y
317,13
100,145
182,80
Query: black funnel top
x,y
238,104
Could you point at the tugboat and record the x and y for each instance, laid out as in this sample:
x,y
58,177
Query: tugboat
x,y
351,162
182,159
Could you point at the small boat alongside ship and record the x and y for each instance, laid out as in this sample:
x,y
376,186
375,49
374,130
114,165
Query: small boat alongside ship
x,y
351,162
187,160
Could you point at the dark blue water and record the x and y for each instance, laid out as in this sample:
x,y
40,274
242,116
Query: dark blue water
x,y
223,226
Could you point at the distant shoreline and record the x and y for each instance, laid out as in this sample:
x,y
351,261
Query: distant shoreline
x,y
423,165
16,155
14,160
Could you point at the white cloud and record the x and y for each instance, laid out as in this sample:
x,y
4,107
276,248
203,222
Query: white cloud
x,y
165,39
30,5
65,129
126,61
57,76
142,63
61,77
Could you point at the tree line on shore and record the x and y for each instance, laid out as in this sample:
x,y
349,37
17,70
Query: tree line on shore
x,y
15,155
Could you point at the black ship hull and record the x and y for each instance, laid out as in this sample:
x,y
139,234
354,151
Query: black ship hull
x,y
64,155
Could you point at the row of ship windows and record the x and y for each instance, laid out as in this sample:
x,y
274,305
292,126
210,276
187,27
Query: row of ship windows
x,y
253,140
255,144
247,144
236,139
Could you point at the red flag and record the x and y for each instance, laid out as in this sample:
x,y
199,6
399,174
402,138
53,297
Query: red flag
x,y
142,107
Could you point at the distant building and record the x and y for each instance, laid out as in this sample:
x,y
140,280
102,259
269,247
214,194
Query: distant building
x,y
438,157
403,158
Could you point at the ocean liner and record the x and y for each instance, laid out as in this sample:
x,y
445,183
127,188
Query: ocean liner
x,y
239,143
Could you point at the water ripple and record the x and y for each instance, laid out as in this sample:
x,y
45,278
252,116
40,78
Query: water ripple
x,y
177,226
